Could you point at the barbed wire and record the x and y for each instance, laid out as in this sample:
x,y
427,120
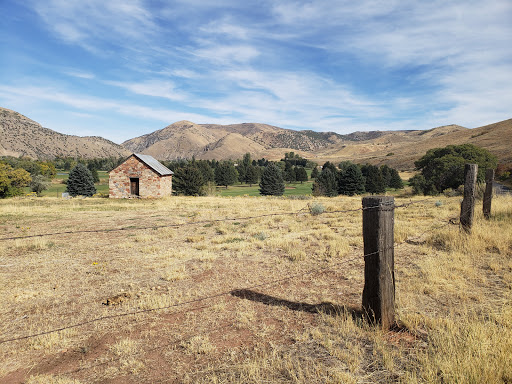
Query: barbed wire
x,y
181,340
209,221
224,293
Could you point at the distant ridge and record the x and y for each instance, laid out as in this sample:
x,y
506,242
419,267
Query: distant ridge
x,y
21,136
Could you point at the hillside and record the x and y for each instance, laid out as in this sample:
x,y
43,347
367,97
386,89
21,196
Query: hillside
x,y
400,149
396,148
185,139
20,136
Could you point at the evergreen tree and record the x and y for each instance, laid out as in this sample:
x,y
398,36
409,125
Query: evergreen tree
x,y
188,180
315,172
289,175
331,166
95,176
351,180
301,174
80,181
374,180
326,183
395,180
226,174
272,182
252,175
385,170
206,171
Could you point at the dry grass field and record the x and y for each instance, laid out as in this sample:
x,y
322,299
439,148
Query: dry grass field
x,y
228,290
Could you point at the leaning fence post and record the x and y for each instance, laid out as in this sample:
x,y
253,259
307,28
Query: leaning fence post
x,y
379,270
467,208
489,180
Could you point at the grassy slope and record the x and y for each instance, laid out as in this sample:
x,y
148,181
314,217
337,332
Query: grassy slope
x,y
454,297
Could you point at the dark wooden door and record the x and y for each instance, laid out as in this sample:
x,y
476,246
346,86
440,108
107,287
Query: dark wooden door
x,y
134,186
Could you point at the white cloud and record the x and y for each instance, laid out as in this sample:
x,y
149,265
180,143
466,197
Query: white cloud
x,y
157,88
227,54
88,23
80,74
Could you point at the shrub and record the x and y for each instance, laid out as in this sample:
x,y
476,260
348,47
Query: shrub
x,y
316,209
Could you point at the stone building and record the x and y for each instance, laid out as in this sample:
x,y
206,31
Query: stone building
x,y
140,176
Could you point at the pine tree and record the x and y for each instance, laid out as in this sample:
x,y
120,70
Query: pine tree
x,y
374,180
351,181
395,180
385,170
289,175
326,183
226,174
301,174
272,182
188,180
315,172
252,175
80,181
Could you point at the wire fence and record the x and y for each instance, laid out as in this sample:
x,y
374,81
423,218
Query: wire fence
x,y
225,293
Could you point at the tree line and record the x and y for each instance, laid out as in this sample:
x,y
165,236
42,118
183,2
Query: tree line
x,y
438,170
354,179
198,177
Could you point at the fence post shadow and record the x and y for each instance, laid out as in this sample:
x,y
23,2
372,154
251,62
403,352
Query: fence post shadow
x,y
325,307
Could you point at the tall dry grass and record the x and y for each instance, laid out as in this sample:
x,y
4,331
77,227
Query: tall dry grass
x,y
453,292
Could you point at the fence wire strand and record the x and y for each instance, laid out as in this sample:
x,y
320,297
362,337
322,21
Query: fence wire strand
x,y
228,292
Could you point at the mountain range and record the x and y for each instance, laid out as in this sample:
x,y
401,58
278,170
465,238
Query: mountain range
x,y
21,136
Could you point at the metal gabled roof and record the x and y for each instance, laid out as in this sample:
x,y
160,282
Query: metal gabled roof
x,y
154,164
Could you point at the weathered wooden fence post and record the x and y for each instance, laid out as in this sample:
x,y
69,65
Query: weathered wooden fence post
x,y
379,268
467,208
489,180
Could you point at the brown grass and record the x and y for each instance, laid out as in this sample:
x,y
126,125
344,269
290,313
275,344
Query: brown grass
x,y
453,293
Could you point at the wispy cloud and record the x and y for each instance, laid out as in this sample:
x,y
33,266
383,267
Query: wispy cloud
x,y
79,74
97,22
326,64
157,88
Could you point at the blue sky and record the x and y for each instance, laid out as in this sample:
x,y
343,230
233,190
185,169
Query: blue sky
x,y
120,68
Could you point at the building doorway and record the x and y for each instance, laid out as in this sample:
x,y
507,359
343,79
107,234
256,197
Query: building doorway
x,y
134,186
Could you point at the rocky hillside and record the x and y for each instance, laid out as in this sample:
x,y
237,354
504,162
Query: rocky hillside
x,y
400,149
20,136
212,141
184,139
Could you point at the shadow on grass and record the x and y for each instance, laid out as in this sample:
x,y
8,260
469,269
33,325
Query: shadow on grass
x,y
326,308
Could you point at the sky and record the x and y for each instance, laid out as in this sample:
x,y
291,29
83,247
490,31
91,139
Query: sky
x,y
123,68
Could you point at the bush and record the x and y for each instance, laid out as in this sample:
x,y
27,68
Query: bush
x,y
316,209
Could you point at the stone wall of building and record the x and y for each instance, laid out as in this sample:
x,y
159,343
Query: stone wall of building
x,y
150,183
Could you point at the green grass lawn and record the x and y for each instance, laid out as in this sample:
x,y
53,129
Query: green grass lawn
x,y
57,188
244,189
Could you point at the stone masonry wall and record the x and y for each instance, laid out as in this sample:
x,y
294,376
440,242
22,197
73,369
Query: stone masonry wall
x,y
150,183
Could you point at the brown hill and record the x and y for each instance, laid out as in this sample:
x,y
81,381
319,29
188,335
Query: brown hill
x,y
185,139
400,149
20,136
